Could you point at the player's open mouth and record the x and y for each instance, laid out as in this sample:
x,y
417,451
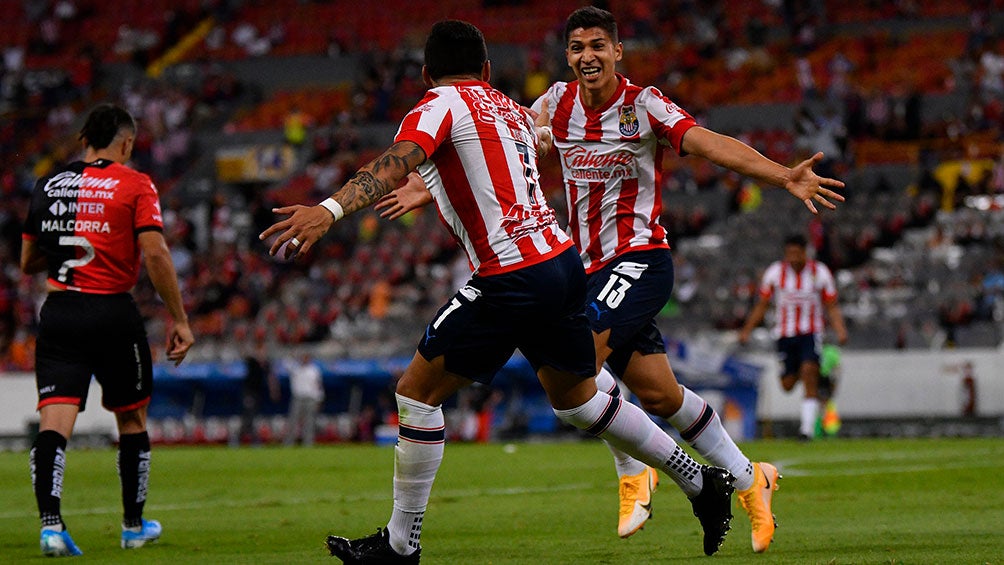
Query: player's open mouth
x,y
590,72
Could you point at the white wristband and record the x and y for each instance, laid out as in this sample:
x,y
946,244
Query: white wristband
x,y
334,207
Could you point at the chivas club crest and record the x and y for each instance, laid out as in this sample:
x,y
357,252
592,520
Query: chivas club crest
x,y
628,120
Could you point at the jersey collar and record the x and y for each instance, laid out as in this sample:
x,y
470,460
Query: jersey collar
x,y
621,85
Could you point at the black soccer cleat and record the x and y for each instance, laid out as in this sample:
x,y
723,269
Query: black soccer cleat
x,y
371,550
713,506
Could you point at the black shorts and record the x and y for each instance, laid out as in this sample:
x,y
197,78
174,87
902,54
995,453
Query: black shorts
x,y
538,309
81,335
624,297
795,350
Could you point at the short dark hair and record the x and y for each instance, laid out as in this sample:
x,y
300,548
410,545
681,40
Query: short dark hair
x,y
588,17
455,48
103,124
796,239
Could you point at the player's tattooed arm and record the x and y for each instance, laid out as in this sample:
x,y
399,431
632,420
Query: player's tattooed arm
x,y
306,225
380,176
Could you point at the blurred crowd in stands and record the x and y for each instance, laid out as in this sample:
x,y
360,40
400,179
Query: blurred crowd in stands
x,y
919,251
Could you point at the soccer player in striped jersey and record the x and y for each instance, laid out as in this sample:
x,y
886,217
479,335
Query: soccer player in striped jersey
x,y
476,151
610,136
801,289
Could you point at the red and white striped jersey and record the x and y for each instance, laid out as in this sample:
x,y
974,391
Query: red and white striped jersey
x,y
610,161
798,296
482,173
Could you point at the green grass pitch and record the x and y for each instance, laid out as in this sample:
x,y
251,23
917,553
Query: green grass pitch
x,y
841,502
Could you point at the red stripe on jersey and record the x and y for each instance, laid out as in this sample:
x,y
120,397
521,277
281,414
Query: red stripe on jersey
x,y
409,130
595,249
552,240
784,311
498,171
594,116
594,126
563,112
625,210
812,307
658,232
799,283
461,196
673,134
573,212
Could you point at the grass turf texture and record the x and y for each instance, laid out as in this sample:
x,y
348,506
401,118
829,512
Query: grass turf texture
x,y
841,501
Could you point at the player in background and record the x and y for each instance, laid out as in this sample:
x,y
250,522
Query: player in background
x,y
475,150
610,135
801,288
87,226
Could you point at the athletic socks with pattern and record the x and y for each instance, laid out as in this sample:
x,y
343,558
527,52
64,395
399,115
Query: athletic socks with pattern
x,y
417,456
629,429
133,464
700,426
624,463
47,462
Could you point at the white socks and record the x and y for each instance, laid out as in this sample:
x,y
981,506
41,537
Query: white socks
x,y
417,456
810,411
627,427
700,426
625,464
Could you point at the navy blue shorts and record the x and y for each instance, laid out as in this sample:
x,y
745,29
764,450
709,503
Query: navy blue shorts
x,y
80,335
538,309
795,350
624,297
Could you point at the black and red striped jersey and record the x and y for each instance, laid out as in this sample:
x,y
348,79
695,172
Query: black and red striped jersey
x,y
85,219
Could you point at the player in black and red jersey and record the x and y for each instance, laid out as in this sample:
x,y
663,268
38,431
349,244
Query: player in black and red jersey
x,y
87,226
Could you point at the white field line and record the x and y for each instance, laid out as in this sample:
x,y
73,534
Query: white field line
x,y
334,499
836,466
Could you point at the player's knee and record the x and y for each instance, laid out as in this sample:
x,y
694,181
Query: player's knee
x,y
658,402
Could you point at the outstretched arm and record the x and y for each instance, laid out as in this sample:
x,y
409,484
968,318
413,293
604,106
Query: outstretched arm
x,y
307,224
733,154
411,196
